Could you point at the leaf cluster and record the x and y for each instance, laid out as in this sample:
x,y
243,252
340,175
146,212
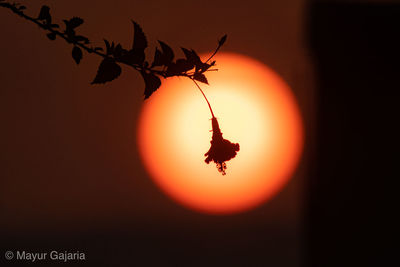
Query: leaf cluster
x,y
163,64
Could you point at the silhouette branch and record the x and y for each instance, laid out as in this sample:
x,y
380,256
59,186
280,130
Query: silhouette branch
x,y
163,65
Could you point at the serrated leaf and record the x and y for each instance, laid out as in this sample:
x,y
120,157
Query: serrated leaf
x,y
108,71
152,83
200,77
51,36
139,39
77,54
168,53
222,40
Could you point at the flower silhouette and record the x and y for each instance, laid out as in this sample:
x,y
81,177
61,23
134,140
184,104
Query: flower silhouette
x,y
221,149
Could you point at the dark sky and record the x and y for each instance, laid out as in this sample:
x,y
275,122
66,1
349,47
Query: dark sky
x,y
69,161
68,147
70,171
71,176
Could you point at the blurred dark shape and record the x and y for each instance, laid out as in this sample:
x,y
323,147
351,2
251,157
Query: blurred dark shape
x,y
356,48
221,150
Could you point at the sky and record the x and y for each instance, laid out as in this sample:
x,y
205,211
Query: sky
x,y
68,155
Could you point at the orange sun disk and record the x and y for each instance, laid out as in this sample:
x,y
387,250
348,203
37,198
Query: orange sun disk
x,y
254,107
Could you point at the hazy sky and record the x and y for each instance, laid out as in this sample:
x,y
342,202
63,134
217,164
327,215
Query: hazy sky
x,y
68,148
68,155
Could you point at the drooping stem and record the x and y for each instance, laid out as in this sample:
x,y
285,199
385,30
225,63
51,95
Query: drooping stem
x,y
212,113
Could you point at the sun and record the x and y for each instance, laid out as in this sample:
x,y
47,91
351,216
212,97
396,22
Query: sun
x,y
254,108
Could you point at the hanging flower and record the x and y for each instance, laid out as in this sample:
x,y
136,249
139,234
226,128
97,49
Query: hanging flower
x,y
221,150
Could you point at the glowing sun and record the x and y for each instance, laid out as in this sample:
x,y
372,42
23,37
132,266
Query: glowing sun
x,y
254,108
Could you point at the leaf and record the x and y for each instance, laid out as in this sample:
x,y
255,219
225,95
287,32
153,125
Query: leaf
x,y
77,54
200,77
152,83
180,67
167,52
187,53
74,22
158,58
44,14
108,71
183,65
222,40
139,39
193,58
163,57
118,51
202,67
108,47
133,57
51,36
112,48
191,55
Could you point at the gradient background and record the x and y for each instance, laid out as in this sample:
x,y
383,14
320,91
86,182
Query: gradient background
x,y
70,173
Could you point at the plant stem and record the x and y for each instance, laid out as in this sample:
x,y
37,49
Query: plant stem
x,y
14,8
88,49
212,113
